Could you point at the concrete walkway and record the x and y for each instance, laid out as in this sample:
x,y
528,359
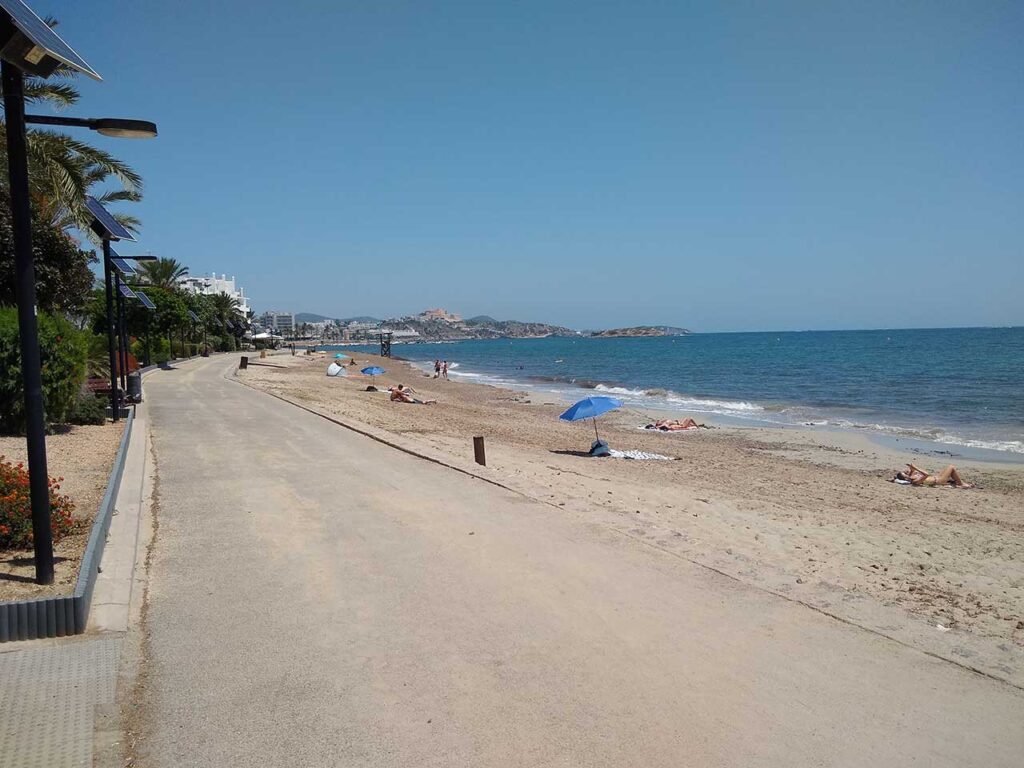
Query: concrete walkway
x,y
317,598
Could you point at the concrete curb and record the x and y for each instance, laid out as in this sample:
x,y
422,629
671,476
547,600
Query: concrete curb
x,y
63,615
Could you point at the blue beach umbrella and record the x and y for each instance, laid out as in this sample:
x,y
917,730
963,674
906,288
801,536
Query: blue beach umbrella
x,y
373,370
591,408
340,356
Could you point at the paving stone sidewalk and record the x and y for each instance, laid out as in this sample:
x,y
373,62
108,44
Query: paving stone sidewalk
x,y
49,691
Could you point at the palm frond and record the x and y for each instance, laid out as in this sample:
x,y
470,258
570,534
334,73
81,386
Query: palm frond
x,y
120,196
93,157
56,94
129,222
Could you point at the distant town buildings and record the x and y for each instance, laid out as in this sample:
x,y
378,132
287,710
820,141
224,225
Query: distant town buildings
x,y
439,314
281,323
213,285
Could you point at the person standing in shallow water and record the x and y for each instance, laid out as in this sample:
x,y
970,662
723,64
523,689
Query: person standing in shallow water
x,y
444,370
437,369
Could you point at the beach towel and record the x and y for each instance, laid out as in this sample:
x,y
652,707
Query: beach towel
x,y
639,456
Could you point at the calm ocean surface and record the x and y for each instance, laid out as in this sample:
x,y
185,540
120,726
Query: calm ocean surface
x,y
961,386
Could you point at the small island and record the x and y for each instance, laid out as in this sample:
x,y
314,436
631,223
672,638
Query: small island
x,y
641,330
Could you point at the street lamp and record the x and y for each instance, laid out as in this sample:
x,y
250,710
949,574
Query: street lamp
x,y
149,305
107,228
121,270
108,126
27,44
125,269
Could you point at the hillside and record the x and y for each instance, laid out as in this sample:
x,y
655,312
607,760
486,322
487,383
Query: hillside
x,y
641,330
480,327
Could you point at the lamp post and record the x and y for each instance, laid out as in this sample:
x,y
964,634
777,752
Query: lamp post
x,y
27,44
123,268
122,342
150,307
107,229
149,345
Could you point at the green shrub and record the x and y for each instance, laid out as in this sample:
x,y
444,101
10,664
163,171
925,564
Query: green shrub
x,y
16,508
63,352
157,349
89,409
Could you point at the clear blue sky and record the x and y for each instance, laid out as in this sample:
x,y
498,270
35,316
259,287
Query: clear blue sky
x,y
722,166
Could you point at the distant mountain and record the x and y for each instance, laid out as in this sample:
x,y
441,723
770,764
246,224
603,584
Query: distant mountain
x,y
480,327
642,330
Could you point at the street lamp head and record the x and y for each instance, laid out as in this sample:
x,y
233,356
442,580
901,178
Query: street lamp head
x,y
124,129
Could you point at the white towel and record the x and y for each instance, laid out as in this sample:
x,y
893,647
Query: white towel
x,y
640,456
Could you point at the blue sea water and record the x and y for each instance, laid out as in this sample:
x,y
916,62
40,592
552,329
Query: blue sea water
x,y
958,386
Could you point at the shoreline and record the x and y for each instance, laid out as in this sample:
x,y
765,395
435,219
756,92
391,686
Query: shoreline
x,y
897,438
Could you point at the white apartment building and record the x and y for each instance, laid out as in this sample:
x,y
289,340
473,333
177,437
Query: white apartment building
x,y
281,323
213,285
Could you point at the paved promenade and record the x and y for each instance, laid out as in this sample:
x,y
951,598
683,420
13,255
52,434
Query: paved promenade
x,y
317,598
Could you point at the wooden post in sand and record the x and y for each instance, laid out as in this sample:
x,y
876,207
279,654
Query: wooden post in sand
x,y
243,363
478,451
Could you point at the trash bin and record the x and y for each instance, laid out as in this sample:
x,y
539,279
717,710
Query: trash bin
x,y
135,387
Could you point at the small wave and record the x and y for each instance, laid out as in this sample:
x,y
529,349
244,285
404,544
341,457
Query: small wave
x,y
1013,446
691,403
702,403
618,390
935,435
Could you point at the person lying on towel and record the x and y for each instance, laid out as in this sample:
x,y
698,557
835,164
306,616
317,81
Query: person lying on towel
x,y
674,425
404,394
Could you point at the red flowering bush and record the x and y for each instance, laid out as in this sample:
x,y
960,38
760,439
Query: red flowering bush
x,y
16,508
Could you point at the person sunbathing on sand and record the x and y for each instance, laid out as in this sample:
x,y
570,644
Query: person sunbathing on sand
x,y
674,425
948,476
404,394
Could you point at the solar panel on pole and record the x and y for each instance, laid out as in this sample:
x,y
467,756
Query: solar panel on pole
x,y
123,266
146,301
194,316
112,228
127,292
43,42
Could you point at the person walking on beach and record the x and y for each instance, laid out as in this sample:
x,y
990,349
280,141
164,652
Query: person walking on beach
x,y
437,369
444,370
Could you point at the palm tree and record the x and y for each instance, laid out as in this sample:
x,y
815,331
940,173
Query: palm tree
x,y
225,308
163,273
62,169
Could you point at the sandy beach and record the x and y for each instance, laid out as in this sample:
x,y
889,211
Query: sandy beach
x,y
803,513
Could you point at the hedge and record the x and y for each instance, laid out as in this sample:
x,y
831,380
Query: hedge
x,y
63,351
